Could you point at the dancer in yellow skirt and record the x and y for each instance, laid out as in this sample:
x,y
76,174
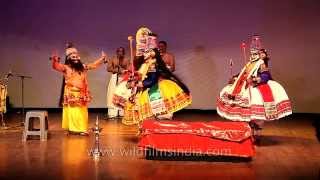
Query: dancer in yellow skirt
x,y
76,95
159,92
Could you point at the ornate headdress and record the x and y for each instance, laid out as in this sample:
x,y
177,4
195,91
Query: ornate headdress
x,y
70,49
145,40
255,46
255,43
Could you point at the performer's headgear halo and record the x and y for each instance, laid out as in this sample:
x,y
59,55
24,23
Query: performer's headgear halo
x,y
145,41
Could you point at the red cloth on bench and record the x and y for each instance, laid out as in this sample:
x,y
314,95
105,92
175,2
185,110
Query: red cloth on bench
x,y
211,138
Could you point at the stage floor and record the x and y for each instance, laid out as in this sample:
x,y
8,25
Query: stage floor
x,y
289,149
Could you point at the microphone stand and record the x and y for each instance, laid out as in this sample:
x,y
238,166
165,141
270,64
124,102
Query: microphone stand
x,y
22,77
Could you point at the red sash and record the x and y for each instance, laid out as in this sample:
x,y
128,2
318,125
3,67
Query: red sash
x,y
266,92
239,84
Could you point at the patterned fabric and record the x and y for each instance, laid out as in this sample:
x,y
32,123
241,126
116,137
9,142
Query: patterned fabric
x,y
74,96
254,106
270,110
242,101
250,69
156,101
230,131
112,109
121,94
174,99
75,110
194,138
268,101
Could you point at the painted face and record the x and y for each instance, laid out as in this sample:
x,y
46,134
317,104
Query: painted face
x,y
254,55
149,54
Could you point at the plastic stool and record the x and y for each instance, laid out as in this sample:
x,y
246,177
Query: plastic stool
x,y
28,125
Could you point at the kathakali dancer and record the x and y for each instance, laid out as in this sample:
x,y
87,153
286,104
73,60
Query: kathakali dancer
x,y
152,90
253,96
76,93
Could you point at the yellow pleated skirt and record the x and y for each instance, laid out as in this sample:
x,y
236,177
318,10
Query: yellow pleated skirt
x,y
174,99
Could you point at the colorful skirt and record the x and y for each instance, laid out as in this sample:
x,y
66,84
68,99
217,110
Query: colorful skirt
x,y
75,110
163,98
121,95
263,102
